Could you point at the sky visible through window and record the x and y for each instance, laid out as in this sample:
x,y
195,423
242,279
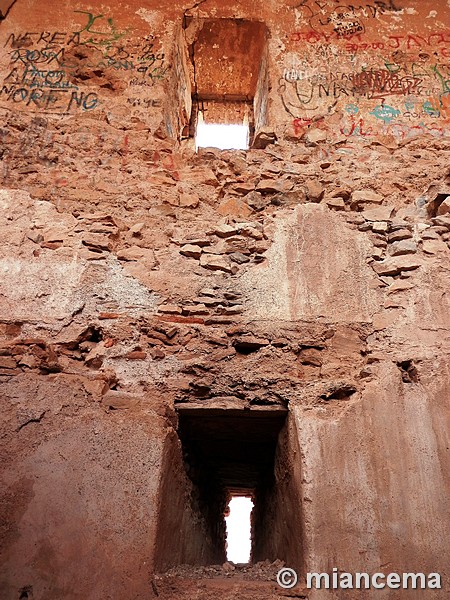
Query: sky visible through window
x,y
239,530
224,137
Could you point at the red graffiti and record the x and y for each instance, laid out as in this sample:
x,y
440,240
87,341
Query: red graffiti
x,y
380,83
314,37
167,162
300,125
435,39
441,105
356,128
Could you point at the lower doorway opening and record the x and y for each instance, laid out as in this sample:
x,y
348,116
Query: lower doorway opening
x,y
218,458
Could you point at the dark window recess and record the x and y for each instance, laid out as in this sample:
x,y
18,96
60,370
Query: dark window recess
x,y
226,453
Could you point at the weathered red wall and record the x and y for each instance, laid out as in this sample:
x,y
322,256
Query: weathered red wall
x,y
131,268
361,71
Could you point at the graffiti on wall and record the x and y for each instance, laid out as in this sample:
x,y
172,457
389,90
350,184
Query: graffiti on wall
x,y
301,91
342,21
436,40
357,125
362,64
47,69
410,114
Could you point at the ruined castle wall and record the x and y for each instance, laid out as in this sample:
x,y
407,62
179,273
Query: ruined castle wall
x,y
133,271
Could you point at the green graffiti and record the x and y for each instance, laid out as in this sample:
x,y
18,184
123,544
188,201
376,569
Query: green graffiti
x,y
392,67
107,37
444,82
431,110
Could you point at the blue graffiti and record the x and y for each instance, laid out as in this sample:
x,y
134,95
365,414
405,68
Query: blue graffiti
x,y
352,109
385,113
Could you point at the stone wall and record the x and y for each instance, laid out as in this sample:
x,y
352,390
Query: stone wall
x,y
311,271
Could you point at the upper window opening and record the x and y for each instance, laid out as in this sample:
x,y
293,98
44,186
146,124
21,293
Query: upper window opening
x,y
239,529
228,81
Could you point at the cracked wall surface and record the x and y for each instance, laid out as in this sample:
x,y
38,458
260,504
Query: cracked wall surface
x,y
310,273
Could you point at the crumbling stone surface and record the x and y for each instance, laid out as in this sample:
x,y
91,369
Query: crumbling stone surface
x,y
255,581
310,272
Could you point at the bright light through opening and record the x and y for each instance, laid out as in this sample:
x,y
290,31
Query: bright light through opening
x,y
224,137
239,530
